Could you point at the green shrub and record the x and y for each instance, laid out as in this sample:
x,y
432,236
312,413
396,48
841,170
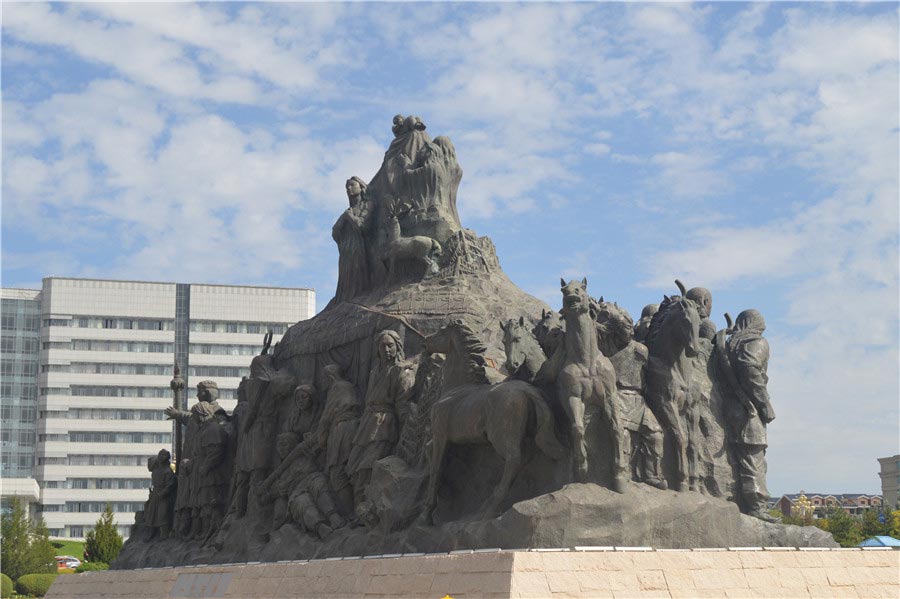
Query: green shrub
x,y
35,585
7,586
104,542
91,567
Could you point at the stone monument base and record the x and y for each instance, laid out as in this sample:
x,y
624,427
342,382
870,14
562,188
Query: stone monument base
x,y
575,515
579,572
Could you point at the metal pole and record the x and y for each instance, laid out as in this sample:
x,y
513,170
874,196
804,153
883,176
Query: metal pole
x,y
177,386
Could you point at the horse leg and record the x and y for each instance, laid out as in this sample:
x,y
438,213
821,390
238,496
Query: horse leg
x,y
616,433
674,425
505,433
438,450
575,410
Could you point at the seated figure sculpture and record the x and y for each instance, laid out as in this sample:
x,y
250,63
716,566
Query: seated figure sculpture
x,y
299,490
298,412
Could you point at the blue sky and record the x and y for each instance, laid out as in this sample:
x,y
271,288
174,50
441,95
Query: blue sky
x,y
748,148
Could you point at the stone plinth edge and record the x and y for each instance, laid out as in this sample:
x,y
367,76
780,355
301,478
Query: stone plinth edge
x,y
572,572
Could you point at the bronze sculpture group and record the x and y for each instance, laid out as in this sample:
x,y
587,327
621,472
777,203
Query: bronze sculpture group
x,y
360,417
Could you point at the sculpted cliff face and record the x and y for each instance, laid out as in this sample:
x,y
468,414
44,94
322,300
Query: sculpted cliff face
x,y
407,263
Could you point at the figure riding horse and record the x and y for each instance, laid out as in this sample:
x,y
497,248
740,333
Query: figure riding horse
x,y
472,411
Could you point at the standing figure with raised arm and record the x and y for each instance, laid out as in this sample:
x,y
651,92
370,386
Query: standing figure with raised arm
x,y
207,392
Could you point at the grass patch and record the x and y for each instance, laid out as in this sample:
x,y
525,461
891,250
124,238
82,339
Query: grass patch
x,y
73,548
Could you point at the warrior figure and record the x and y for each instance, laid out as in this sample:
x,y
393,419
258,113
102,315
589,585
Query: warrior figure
x,y
743,360
629,359
244,455
265,387
337,427
184,499
703,299
643,326
212,472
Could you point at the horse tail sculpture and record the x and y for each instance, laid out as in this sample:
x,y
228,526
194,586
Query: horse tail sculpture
x,y
544,434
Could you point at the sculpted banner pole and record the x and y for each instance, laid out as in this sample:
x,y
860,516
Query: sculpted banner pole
x,y
177,385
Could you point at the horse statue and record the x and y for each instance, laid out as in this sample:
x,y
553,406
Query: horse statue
x,y
524,356
549,331
472,411
397,248
584,379
673,339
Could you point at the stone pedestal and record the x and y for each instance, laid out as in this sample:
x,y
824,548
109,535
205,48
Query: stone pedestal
x,y
577,572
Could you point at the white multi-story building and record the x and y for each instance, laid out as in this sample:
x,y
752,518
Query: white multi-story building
x,y
107,350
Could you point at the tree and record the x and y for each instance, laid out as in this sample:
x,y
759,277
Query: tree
x,y
42,550
104,542
25,546
845,529
894,521
872,527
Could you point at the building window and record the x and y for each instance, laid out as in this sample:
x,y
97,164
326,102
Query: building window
x,y
57,322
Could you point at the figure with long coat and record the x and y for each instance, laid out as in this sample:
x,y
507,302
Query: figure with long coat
x,y
349,232
390,381
743,361
186,493
160,507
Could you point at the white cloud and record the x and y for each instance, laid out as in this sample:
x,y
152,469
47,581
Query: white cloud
x,y
190,51
685,175
597,149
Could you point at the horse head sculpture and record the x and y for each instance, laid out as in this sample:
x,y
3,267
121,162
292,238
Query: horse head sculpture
x,y
524,355
549,331
615,327
575,296
465,353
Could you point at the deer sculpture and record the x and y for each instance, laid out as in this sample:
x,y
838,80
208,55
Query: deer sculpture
x,y
398,249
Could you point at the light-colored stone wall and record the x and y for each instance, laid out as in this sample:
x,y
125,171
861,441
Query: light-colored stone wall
x,y
619,572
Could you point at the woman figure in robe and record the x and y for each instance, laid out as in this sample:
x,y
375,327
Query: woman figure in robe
x,y
349,233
